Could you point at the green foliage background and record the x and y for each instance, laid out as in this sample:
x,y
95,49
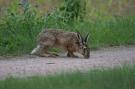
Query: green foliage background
x,y
109,22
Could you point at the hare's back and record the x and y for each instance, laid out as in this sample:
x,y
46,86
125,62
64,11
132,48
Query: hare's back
x,y
47,35
60,36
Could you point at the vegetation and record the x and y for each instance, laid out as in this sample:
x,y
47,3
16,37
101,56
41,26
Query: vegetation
x,y
73,10
20,24
119,78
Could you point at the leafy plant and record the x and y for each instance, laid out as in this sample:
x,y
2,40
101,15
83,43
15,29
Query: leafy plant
x,y
19,28
73,9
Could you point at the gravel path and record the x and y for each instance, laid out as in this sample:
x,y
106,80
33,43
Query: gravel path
x,y
31,65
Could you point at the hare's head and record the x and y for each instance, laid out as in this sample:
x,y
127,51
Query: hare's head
x,y
83,45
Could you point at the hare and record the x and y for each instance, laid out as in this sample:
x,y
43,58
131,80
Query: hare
x,y
70,41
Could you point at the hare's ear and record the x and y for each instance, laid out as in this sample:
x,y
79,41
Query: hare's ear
x,y
86,38
79,36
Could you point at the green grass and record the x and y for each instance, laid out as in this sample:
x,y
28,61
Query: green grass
x,y
118,78
111,32
18,31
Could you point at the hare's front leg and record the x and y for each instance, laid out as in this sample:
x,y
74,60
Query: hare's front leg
x,y
71,54
71,51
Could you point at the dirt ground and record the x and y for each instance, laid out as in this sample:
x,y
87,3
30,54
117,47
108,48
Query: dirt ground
x,y
32,65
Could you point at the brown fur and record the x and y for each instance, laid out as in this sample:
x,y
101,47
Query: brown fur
x,y
58,38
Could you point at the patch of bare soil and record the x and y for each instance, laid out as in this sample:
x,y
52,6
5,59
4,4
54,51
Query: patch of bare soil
x,y
32,65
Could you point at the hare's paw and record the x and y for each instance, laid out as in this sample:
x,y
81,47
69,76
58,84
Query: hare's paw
x,y
72,55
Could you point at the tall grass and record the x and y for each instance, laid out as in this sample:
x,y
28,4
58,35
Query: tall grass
x,y
111,32
20,26
119,78
19,29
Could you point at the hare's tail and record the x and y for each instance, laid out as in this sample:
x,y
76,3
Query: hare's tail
x,y
35,50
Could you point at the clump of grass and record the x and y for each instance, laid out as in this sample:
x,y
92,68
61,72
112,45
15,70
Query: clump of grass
x,y
118,78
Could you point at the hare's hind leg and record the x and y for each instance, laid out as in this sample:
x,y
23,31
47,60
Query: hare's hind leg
x,y
39,51
48,43
47,53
